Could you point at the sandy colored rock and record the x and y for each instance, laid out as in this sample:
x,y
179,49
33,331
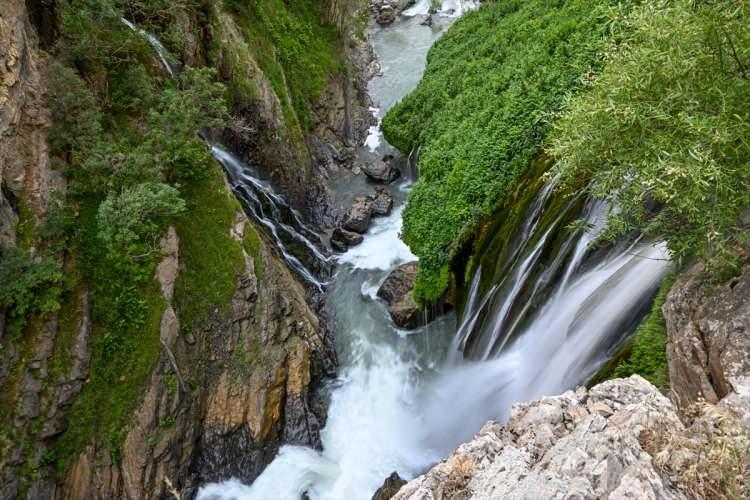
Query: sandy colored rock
x,y
709,339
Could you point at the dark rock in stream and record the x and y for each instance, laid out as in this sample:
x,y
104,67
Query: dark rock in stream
x,y
341,239
390,487
396,292
357,218
382,201
381,171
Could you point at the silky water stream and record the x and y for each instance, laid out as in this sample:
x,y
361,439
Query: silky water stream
x,y
402,401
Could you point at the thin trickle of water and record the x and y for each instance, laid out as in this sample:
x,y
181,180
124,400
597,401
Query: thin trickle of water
x,y
160,49
250,190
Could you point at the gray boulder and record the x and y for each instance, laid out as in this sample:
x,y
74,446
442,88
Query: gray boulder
x,y
381,172
382,201
396,293
357,218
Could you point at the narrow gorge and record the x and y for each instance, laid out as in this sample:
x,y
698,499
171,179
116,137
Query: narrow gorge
x,y
288,249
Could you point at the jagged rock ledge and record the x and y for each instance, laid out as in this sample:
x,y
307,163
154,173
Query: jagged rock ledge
x,y
620,439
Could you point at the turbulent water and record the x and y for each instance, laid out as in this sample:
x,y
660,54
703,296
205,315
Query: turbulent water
x,y
404,400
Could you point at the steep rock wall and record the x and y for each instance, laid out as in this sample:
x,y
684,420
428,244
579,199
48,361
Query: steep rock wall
x,y
222,395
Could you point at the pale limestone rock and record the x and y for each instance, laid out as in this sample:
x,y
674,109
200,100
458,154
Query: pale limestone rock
x,y
168,267
561,447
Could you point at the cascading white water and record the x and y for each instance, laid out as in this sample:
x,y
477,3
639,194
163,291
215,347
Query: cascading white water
x,y
258,197
256,194
403,401
160,49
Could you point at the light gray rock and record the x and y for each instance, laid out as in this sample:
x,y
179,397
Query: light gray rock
x,y
581,444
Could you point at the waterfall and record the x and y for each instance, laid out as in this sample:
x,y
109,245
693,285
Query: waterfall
x,y
270,210
537,321
283,222
161,50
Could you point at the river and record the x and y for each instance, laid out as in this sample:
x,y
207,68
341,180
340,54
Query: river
x,y
402,401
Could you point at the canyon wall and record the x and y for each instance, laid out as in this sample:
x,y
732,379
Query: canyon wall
x,y
214,397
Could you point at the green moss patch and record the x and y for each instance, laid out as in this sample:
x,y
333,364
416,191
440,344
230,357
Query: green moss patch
x,y
210,258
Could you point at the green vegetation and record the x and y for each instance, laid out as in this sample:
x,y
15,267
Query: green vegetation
x,y
645,353
666,124
211,258
254,246
134,162
295,48
480,116
29,287
648,357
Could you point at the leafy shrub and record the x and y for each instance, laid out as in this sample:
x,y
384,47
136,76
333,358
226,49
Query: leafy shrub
x,y
74,110
28,286
131,222
479,115
666,125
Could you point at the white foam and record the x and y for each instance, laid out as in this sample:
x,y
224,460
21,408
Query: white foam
x,y
382,248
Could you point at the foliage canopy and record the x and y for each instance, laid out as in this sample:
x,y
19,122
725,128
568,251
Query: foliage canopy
x,y
664,129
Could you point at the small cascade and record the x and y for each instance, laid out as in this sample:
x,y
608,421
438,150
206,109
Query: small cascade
x,y
283,222
161,50
451,8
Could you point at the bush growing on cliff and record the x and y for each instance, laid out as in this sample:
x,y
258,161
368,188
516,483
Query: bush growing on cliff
x,y
74,111
28,286
667,124
479,115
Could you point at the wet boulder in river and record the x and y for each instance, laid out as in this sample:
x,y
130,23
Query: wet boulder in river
x,y
341,239
357,218
396,292
382,201
381,172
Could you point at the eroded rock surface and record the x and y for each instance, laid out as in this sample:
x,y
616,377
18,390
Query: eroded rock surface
x,y
381,171
709,339
396,292
620,439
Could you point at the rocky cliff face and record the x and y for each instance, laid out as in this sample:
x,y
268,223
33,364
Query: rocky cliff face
x,y
222,397
296,159
709,340
623,438
25,175
219,405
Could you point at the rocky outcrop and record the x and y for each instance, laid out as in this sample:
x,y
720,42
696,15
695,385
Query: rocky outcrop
x,y
382,201
620,439
357,218
25,174
222,400
296,158
396,292
381,171
709,339
623,438
390,487
386,11
341,239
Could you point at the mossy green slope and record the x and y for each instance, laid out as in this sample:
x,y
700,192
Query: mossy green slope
x,y
481,113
